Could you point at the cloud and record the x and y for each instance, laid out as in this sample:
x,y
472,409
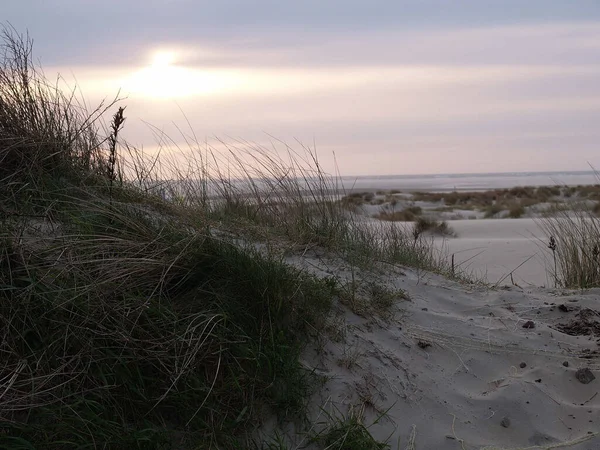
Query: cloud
x,y
82,31
479,90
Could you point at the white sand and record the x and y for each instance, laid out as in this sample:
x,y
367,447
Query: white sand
x,y
456,392
490,249
493,248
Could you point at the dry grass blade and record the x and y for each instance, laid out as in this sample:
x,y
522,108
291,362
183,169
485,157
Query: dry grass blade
x,y
574,239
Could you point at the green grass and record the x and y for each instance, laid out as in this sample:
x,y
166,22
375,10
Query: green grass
x,y
143,331
347,432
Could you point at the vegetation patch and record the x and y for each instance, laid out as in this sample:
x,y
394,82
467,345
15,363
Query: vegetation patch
x,y
409,214
493,202
347,433
574,242
424,225
516,211
358,198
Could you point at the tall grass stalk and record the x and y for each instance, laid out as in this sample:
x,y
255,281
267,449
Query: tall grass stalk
x,y
44,132
111,170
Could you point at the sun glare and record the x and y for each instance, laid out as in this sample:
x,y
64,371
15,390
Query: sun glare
x,y
164,79
163,59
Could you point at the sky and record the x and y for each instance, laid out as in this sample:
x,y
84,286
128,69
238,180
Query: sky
x,y
380,87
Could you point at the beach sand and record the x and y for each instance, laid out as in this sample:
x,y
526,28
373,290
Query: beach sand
x,y
454,367
490,249
488,244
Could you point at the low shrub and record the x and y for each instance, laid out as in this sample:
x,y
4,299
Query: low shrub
x,y
516,211
409,214
425,225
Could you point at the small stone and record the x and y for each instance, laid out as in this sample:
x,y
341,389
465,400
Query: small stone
x,y
585,375
565,308
539,380
566,363
424,309
522,365
529,324
505,422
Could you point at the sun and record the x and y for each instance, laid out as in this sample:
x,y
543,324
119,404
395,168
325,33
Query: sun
x,y
164,79
163,59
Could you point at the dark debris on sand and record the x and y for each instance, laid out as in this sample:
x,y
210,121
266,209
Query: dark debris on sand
x,y
585,323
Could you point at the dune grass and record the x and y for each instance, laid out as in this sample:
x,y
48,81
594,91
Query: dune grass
x,y
483,199
574,242
510,203
409,214
138,331
126,320
427,225
138,306
347,432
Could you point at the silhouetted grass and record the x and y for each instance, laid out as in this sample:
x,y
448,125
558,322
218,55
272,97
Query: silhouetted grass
x,y
126,320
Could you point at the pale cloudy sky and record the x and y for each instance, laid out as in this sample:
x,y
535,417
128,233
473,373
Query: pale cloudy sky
x,y
392,87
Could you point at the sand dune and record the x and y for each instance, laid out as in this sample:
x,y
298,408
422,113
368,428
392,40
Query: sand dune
x,y
455,369
493,248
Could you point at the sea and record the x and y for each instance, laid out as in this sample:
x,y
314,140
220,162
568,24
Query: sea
x,y
342,185
467,181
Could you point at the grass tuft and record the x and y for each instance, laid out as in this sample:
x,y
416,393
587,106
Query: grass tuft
x,y
426,225
347,433
574,238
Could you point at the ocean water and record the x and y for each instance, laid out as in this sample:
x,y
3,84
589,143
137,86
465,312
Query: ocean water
x,y
405,183
468,182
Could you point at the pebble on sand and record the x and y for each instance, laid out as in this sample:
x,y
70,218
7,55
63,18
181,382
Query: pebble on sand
x,y
585,375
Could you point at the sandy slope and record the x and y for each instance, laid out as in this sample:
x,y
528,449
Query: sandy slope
x,y
456,387
493,248
490,249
